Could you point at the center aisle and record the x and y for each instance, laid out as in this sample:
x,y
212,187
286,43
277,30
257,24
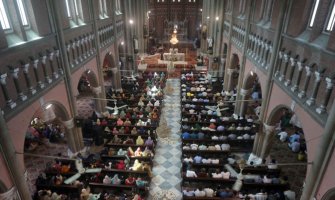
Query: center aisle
x,y
165,183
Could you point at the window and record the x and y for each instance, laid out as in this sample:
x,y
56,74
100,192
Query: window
x,y
315,8
103,8
22,13
118,8
68,8
331,20
4,17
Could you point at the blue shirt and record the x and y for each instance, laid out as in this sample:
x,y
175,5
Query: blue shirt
x,y
185,135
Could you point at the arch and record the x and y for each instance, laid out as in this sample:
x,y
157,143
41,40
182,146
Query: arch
x,y
249,81
52,110
329,195
3,187
234,62
109,61
275,114
87,82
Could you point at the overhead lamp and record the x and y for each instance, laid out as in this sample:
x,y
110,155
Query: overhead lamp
x,y
217,18
48,106
131,21
251,73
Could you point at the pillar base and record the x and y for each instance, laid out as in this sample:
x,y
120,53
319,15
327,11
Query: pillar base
x,y
320,110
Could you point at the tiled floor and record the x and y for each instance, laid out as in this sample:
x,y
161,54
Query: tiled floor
x,y
166,181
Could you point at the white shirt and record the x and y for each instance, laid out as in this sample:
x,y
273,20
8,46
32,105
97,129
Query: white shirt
x,y
261,196
199,193
282,136
190,173
289,194
209,192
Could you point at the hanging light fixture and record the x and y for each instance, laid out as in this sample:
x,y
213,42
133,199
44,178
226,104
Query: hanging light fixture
x,y
174,39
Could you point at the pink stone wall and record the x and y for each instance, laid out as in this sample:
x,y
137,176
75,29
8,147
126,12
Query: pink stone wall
x,y
17,126
311,128
328,181
4,173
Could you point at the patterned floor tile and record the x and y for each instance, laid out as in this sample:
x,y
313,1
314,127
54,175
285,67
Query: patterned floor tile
x,y
166,181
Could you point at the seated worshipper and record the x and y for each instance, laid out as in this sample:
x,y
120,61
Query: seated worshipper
x,y
149,142
220,128
133,131
139,140
116,140
121,130
191,173
197,159
185,135
225,193
138,152
225,175
295,136
203,173
217,174
147,152
267,179
295,146
119,122
106,180
187,192
261,195
282,135
115,131
199,193
128,140
116,180
232,127
209,192
225,147
232,136
239,127
273,164
289,195
127,122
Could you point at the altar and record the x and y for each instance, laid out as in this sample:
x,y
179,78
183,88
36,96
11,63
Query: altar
x,y
174,56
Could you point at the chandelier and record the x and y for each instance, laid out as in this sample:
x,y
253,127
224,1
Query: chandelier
x,y
174,39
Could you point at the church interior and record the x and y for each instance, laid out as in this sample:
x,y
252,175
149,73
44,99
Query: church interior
x,y
167,99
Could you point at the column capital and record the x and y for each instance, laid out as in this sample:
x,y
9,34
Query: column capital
x,y
300,65
281,54
318,76
268,129
293,61
14,71
308,70
3,78
286,57
69,124
25,67
330,82
43,58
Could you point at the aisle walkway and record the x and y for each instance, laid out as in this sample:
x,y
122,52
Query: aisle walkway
x,y
166,179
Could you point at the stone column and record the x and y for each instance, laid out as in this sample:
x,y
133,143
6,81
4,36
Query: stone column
x,y
51,59
44,68
289,79
69,54
283,74
302,93
25,68
252,43
318,76
244,104
73,51
330,85
58,62
11,161
261,56
297,82
35,65
14,72
230,73
10,103
265,60
280,61
268,139
78,49
254,50
97,95
268,58
70,135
